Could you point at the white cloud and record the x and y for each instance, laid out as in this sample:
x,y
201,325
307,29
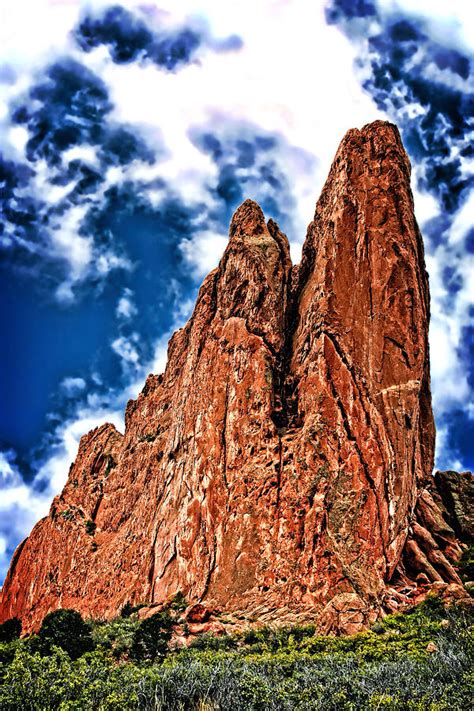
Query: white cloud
x,y
125,307
426,207
18,137
68,243
126,349
73,386
85,154
204,251
463,221
20,507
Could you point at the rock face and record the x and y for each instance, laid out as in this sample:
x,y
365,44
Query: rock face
x,y
281,466
457,495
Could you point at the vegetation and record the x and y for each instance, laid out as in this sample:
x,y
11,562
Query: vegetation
x,y
466,564
421,660
10,630
90,527
65,629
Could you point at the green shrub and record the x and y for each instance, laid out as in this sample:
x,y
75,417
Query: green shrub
x,y
179,602
10,629
65,629
466,564
151,637
90,527
116,636
127,609
214,642
277,637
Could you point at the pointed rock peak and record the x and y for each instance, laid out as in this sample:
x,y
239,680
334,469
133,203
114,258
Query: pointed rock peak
x,y
379,141
377,130
254,273
248,229
248,220
381,128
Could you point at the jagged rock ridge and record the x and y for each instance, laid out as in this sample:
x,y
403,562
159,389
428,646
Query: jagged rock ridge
x,y
281,466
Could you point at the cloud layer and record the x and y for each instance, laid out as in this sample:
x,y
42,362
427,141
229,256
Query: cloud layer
x,y
129,38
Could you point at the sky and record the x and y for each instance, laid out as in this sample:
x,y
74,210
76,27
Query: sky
x,y
130,132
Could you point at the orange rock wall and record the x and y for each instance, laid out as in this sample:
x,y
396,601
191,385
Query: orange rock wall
x,y
277,463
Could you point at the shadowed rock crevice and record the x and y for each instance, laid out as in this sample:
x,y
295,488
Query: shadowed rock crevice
x,y
280,468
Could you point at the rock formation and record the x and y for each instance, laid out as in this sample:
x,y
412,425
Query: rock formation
x,y
281,466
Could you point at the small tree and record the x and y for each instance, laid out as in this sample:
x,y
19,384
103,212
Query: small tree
x,y
179,602
65,629
127,609
90,527
10,630
152,636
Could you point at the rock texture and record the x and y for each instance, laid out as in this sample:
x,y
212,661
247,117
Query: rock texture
x,y
281,466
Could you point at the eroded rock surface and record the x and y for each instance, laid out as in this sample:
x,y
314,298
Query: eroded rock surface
x,y
281,466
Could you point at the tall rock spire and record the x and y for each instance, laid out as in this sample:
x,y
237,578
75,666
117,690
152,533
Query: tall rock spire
x,y
280,467
360,360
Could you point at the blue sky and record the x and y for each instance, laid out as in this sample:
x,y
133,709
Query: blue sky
x,y
130,132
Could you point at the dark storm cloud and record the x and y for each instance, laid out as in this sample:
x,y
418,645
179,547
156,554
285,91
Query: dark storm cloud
x,y
129,38
19,210
66,108
70,107
125,35
338,10
13,176
172,218
452,280
413,79
120,146
250,164
86,180
469,243
435,229
423,86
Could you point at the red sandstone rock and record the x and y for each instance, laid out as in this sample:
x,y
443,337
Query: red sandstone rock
x,y
281,466
198,613
212,627
456,492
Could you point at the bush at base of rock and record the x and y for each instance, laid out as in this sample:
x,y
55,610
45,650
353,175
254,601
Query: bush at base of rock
x,y
152,637
411,662
10,630
65,629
